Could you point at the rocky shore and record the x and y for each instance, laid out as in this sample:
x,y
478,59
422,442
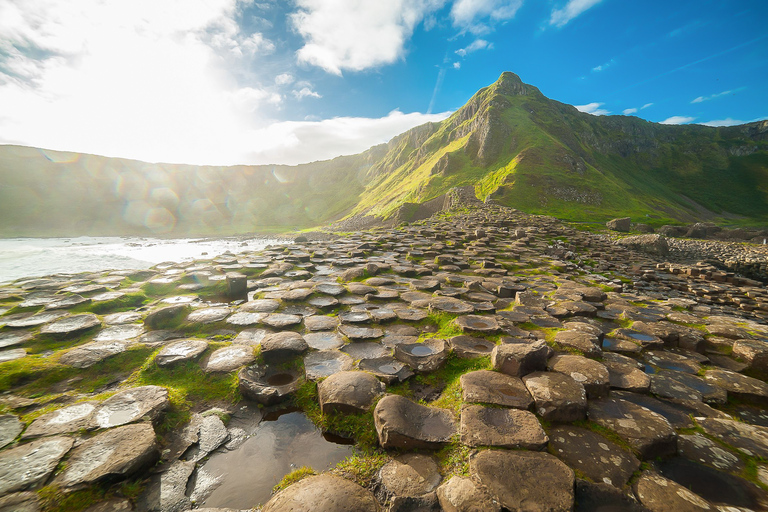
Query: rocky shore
x,y
481,359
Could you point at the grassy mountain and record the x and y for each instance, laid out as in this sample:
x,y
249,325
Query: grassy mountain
x,y
509,143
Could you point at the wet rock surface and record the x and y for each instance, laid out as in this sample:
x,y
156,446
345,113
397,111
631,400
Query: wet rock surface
x,y
488,331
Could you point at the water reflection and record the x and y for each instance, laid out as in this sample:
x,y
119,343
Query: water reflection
x,y
280,444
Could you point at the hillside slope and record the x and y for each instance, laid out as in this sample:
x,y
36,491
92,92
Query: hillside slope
x,y
509,143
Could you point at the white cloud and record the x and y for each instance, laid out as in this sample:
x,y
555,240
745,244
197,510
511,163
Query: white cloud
x,y
701,99
305,92
477,44
457,65
603,67
561,17
592,108
629,111
724,122
284,79
356,34
678,120
293,142
646,106
142,79
479,16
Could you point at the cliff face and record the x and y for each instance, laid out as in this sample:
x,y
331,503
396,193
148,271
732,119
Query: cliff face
x,y
508,143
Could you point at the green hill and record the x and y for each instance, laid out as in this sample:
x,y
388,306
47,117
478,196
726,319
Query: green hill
x,y
509,143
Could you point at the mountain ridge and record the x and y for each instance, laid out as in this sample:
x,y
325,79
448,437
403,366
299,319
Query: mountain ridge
x,y
509,143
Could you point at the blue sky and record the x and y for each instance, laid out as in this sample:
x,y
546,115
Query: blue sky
x,y
261,81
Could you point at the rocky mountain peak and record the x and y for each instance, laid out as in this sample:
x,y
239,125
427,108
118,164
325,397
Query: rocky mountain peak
x,y
510,84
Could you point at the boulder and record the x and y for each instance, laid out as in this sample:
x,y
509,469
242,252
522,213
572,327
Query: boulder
x,y
521,480
505,428
118,452
558,397
349,392
401,423
328,493
518,359
753,352
622,224
28,466
652,244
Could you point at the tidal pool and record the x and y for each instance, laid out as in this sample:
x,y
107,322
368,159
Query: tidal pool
x,y
243,477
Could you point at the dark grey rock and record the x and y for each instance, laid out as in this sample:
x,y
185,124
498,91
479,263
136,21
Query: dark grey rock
x,y
401,423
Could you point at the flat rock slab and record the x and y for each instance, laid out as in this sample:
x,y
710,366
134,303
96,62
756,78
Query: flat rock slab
x,y
71,326
589,373
20,502
593,455
386,368
469,347
659,493
28,466
750,439
260,306
684,386
325,363
424,357
408,482
166,317
131,405
91,353
449,305
10,428
329,493
461,494
166,491
485,386
324,340
9,339
411,314
701,449
127,317
558,397
67,419
208,315
505,428
118,452
268,385
35,320
120,333
646,431
672,361
251,337
588,344
738,385
12,354
477,323
625,375
180,351
321,323
227,359
349,392
360,333
529,481
601,497
245,319
401,423
281,320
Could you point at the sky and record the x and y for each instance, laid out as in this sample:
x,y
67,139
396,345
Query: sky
x,y
226,82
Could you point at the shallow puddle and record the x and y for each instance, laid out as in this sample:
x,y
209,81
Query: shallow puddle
x,y
280,444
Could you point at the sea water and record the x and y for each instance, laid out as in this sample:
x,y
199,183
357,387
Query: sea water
x,y
35,257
